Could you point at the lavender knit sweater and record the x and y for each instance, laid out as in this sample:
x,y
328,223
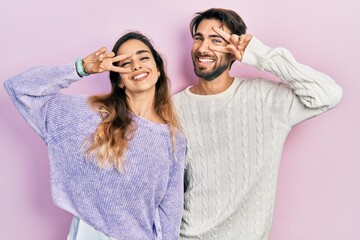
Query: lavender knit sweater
x,y
144,201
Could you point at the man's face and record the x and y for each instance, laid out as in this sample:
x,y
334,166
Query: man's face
x,y
209,64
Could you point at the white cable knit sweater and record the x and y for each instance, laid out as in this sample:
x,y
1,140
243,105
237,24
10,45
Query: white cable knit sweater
x,y
235,141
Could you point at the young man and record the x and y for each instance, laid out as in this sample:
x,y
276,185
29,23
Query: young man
x,y
236,127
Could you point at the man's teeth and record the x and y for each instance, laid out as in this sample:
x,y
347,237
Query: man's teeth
x,y
140,76
205,60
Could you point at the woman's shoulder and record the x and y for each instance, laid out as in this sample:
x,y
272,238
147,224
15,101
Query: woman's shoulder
x,y
70,113
66,103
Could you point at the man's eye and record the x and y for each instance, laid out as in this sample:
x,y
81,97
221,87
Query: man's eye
x,y
197,38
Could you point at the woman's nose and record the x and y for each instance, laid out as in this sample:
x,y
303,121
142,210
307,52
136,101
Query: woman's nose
x,y
136,67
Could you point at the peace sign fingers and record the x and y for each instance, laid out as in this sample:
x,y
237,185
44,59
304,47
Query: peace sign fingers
x,y
107,64
237,44
226,36
221,49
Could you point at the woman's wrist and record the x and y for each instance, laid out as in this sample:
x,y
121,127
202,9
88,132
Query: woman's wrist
x,y
80,68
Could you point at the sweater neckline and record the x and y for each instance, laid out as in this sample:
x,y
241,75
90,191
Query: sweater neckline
x,y
148,122
228,92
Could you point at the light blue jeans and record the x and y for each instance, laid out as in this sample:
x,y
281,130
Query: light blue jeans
x,y
80,230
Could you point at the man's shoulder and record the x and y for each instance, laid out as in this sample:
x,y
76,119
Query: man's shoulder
x,y
256,81
177,96
180,92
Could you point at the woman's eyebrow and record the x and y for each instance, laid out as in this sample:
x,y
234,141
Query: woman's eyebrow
x,y
141,51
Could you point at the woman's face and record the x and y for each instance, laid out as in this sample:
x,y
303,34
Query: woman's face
x,y
144,72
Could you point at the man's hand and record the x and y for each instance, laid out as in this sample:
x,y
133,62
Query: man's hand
x,y
236,44
100,61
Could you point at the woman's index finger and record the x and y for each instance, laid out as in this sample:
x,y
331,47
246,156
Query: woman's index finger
x,y
121,57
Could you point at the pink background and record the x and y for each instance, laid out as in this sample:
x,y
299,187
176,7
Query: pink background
x,y
318,195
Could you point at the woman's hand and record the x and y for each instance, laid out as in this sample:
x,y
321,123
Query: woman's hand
x,y
100,61
237,44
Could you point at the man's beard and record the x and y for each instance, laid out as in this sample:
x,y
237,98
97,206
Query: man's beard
x,y
211,75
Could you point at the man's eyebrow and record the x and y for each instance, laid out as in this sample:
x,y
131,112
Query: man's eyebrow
x,y
141,51
210,36
215,36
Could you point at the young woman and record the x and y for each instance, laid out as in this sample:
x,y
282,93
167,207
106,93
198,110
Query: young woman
x,y
116,159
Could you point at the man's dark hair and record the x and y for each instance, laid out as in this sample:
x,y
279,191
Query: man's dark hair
x,y
227,17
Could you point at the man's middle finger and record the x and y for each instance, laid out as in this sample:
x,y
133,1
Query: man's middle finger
x,y
221,49
226,36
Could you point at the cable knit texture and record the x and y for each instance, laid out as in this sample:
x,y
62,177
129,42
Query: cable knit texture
x,y
235,141
144,201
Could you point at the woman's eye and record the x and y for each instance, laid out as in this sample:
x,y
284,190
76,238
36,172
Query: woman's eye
x,y
144,58
125,64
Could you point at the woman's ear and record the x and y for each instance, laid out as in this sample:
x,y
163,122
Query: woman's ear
x,y
121,85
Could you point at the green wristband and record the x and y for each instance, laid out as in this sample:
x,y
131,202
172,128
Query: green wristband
x,y
80,69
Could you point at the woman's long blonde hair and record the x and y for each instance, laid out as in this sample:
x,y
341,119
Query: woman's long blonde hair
x,y
110,140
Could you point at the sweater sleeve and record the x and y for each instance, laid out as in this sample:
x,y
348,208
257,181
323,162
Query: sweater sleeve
x,y
32,90
170,209
303,93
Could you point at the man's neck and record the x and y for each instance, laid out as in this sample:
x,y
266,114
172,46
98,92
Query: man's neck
x,y
218,85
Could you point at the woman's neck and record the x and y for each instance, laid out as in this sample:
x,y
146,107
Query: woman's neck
x,y
143,106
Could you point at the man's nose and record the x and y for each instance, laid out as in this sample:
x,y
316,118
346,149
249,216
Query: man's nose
x,y
204,47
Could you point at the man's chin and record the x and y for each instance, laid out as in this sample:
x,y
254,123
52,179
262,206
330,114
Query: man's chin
x,y
210,74
207,76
